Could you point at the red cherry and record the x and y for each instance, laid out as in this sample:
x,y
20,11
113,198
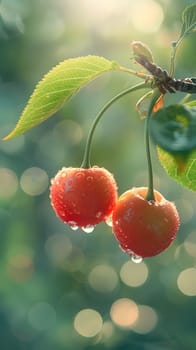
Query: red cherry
x,y
83,197
144,228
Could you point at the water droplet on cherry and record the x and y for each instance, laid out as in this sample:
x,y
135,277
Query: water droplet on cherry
x,y
90,179
73,225
136,258
98,215
79,175
68,185
88,228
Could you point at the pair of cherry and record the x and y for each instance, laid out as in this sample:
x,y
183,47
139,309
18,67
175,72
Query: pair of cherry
x,y
84,197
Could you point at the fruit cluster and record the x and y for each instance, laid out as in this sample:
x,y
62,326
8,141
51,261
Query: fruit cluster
x,y
84,197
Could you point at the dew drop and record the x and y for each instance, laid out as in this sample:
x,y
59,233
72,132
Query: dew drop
x,y
99,214
90,179
108,221
79,175
74,228
88,228
166,220
73,225
136,258
68,184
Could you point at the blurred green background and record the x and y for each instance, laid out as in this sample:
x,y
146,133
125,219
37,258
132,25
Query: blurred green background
x,y
61,289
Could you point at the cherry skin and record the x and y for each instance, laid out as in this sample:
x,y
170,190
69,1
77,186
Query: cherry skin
x,y
83,197
144,228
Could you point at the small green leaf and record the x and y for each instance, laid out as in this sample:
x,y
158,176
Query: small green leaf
x,y
174,128
187,178
188,26
58,86
191,103
188,20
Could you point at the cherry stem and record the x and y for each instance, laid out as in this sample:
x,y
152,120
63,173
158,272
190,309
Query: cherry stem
x,y
150,192
86,158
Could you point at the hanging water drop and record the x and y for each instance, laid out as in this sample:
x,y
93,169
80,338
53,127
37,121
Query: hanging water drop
x,y
88,228
74,228
136,258
108,221
73,225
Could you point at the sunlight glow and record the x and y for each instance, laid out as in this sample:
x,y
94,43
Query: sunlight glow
x,y
146,15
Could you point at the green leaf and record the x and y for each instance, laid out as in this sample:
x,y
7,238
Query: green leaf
x,y
188,26
174,129
191,103
187,178
188,20
58,86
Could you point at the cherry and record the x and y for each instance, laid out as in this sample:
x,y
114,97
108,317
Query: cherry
x,y
83,197
144,227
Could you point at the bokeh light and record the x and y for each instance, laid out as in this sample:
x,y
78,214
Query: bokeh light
x,y
190,244
88,323
134,275
103,278
107,330
34,181
20,267
14,145
42,316
146,15
187,281
124,312
9,183
147,320
58,247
